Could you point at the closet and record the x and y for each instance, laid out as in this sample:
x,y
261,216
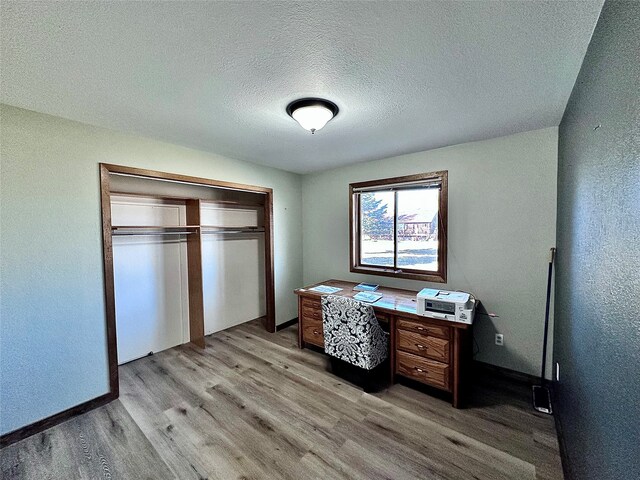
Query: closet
x,y
184,257
232,263
150,275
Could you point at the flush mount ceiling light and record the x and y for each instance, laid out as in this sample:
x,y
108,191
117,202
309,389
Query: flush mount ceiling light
x,y
312,113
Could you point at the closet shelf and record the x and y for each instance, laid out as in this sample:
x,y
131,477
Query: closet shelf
x,y
178,198
232,203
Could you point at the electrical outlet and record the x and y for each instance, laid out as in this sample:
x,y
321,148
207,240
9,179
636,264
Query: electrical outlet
x,y
557,372
499,339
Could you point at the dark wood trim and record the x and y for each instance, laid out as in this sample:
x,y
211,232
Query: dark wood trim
x,y
354,235
354,244
194,269
395,228
176,177
443,226
390,272
109,285
287,324
45,423
269,266
416,177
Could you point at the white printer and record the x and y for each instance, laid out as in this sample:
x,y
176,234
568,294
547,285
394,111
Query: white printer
x,y
453,306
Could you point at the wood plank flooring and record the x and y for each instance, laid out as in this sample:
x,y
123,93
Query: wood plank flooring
x,y
254,406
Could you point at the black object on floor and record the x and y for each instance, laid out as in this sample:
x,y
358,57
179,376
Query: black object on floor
x,y
541,395
542,399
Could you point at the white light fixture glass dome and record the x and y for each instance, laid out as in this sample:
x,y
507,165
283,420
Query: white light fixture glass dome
x,y
312,113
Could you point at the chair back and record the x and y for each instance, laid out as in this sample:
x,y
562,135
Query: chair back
x,y
352,332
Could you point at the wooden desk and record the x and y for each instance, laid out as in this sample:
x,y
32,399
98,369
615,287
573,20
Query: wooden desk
x,y
428,350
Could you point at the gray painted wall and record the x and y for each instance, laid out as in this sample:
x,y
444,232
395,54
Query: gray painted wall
x,y
52,318
597,330
502,215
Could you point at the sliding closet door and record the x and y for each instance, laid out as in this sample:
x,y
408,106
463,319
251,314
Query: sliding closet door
x,y
150,273
233,273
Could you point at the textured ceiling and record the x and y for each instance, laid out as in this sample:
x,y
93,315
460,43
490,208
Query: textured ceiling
x,y
407,76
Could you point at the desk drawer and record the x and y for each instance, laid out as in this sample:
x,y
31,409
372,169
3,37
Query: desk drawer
x,y
310,303
311,310
423,345
312,332
424,328
314,313
423,370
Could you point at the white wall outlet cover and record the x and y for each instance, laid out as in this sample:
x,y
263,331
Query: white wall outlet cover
x,y
499,339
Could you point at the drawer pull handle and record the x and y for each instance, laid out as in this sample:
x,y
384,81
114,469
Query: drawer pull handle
x,y
420,370
421,347
316,332
421,328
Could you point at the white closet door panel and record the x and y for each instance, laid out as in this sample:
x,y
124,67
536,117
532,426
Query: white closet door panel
x,y
233,280
150,295
228,217
144,213
151,279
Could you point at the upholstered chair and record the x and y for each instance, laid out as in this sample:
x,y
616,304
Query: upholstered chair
x,y
353,335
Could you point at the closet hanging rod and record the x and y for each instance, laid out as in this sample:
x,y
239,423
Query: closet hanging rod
x,y
238,227
154,227
205,232
145,234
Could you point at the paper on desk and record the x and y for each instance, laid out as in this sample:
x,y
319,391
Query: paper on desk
x,y
368,297
325,289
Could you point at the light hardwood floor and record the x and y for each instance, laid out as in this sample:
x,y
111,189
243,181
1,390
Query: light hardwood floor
x,y
251,405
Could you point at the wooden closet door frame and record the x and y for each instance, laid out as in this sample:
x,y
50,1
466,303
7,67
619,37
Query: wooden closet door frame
x,y
107,249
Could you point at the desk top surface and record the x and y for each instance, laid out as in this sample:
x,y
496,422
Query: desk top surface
x,y
394,300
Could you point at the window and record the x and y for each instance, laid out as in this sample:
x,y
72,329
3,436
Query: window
x,y
399,227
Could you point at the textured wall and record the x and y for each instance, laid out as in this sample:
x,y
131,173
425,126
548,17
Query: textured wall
x,y
502,213
52,321
597,331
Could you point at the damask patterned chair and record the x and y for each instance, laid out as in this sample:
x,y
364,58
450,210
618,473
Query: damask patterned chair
x,y
354,338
